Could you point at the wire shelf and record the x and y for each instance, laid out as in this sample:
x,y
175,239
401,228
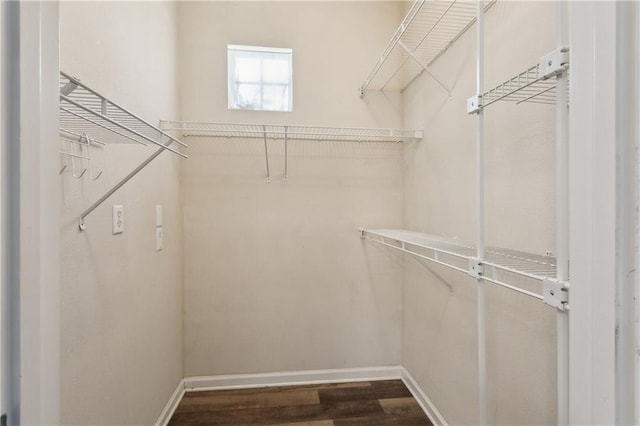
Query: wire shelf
x,y
86,115
84,111
498,263
536,84
528,86
427,31
290,132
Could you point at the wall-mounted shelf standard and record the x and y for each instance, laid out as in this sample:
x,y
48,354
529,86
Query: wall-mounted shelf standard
x,y
546,82
290,132
536,84
499,265
427,31
85,113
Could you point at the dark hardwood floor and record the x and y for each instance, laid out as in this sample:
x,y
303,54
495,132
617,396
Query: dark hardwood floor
x,y
386,402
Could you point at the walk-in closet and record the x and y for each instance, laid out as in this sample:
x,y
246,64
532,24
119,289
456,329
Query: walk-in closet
x,y
320,212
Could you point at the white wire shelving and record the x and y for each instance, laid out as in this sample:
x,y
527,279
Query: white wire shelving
x,y
287,133
85,111
536,84
498,267
87,115
528,86
547,82
290,132
428,30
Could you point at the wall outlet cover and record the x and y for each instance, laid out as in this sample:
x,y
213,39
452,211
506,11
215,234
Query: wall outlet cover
x,y
118,219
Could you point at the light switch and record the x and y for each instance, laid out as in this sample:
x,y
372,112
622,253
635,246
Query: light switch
x,y
158,215
159,237
118,219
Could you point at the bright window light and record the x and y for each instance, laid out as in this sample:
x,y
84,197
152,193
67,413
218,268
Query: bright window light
x,y
260,78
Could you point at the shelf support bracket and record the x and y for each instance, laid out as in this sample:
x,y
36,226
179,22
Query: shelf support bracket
x,y
117,186
363,233
68,88
555,293
476,268
266,152
426,266
554,63
474,104
424,67
286,143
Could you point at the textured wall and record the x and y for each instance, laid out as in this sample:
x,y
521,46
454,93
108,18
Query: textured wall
x,y
276,278
121,300
440,338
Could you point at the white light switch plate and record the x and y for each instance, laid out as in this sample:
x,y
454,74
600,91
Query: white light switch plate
x,y
118,219
159,237
158,215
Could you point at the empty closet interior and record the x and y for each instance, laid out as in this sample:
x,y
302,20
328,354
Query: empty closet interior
x,y
405,219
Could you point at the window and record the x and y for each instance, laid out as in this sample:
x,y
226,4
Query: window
x,y
260,78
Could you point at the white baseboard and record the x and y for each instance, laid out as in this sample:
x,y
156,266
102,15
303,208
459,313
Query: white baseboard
x,y
171,405
427,405
307,377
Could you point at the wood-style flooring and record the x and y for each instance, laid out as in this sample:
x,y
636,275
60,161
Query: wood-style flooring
x,y
386,402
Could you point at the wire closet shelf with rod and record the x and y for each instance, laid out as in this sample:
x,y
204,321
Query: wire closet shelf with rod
x,y
86,116
426,32
287,133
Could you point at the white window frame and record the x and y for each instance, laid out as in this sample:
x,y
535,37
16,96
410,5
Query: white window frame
x,y
232,83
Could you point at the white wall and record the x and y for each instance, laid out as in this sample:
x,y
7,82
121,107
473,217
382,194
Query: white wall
x,y
122,300
440,339
334,44
276,277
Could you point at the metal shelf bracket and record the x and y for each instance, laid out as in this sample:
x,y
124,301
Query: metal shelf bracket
x,y
536,84
474,104
266,152
555,293
476,268
424,67
554,63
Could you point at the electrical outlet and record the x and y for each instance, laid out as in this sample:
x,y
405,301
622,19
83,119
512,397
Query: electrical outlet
x,y
118,219
158,215
159,238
